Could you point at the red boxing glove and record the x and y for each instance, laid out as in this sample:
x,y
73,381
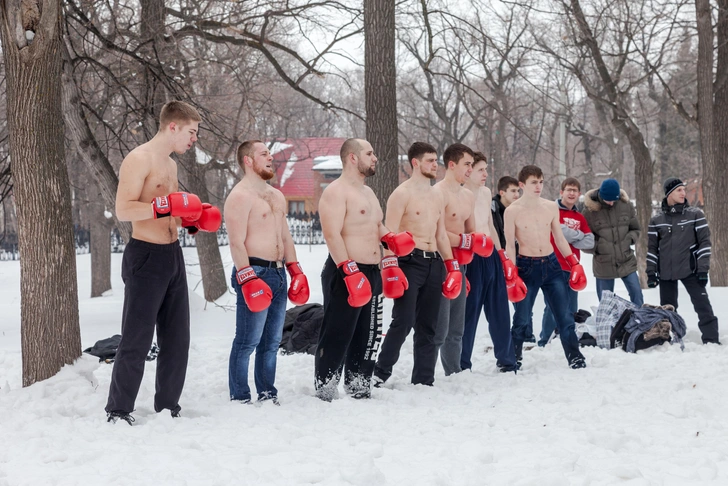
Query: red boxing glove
x,y
256,292
394,282
517,290
509,269
177,205
477,242
400,244
298,291
360,291
209,221
453,284
577,278
467,287
462,256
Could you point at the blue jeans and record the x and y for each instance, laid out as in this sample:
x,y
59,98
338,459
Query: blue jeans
x,y
631,281
548,324
259,331
545,274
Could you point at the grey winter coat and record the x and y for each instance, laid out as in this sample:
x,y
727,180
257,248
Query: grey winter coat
x,y
678,242
615,229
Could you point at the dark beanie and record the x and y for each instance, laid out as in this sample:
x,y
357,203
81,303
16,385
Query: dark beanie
x,y
609,190
671,184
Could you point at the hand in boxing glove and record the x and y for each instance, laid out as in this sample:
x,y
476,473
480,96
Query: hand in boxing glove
x,y
453,284
577,278
177,205
256,292
209,221
467,287
652,280
298,291
462,256
517,290
400,244
357,284
476,242
394,282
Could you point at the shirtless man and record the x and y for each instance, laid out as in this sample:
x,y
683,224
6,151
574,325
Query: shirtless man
x,y
532,221
153,268
417,207
261,245
351,220
460,226
487,286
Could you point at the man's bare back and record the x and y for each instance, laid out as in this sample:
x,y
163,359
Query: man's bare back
x,y
534,222
420,208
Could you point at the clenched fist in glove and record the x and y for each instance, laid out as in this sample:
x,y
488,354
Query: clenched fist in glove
x,y
517,290
453,284
177,205
209,221
577,278
476,242
357,284
400,244
256,292
298,291
394,282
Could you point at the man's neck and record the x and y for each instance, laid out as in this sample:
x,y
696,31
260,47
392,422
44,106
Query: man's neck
x,y
472,186
254,181
161,144
529,199
419,180
450,182
567,206
351,177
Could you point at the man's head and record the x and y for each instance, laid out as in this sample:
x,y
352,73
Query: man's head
x,y
458,159
530,179
358,155
480,169
570,192
508,190
255,158
423,159
180,121
674,191
609,191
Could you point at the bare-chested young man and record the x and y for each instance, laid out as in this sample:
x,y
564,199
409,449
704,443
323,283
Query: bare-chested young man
x,y
532,221
153,268
351,220
417,207
460,226
261,245
487,286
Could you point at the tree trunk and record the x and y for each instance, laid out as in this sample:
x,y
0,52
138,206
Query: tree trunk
x,y
50,331
100,249
380,88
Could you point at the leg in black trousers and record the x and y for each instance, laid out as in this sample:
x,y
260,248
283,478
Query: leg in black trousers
x,y
707,322
428,309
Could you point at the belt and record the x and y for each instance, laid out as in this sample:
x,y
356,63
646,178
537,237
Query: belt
x,y
427,254
259,262
535,259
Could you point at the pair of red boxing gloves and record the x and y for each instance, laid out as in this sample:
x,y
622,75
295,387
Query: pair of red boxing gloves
x,y
470,243
258,295
196,215
517,289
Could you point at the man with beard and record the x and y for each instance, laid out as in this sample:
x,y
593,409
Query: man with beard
x,y
351,220
260,245
416,207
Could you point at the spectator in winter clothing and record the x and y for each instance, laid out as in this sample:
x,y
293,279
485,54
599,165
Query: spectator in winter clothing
x,y
679,249
579,236
613,220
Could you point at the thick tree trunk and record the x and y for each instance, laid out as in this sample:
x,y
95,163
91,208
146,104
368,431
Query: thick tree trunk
x,y
380,89
100,249
50,331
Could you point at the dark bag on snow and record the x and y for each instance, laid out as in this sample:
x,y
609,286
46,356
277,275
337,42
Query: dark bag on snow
x,y
301,329
105,349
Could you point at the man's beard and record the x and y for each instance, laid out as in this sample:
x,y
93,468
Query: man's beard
x,y
429,175
264,174
366,171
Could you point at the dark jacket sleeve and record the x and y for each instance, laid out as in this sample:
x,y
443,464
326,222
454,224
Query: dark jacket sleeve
x,y
634,226
702,233
585,212
653,246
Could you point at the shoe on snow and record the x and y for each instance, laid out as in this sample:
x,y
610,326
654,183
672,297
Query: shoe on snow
x,y
113,417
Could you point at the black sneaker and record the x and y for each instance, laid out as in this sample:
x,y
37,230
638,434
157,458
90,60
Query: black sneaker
x,y
362,395
377,381
266,397
246,401
507,369
176,412
113,417
577,363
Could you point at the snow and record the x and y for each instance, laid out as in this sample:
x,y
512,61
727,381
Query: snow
x,y
327,162
278,147
288,171
654,417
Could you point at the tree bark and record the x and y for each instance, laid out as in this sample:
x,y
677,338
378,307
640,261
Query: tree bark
x,y
380,89
50,331
100,249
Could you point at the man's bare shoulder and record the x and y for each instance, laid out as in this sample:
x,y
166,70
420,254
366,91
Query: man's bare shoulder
x,y
549,205
485,194
468,193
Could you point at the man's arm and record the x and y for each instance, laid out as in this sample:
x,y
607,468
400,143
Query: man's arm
x,y
396,205
702,232
441,237
132,174
332,212
509,228
289,248
237,211
556,231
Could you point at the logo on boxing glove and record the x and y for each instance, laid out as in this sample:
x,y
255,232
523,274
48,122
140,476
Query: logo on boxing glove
x,y
162,204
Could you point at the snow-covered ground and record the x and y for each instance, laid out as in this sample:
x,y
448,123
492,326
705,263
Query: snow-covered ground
x,y
655,417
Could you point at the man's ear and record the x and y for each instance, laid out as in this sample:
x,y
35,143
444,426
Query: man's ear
x,y
172,127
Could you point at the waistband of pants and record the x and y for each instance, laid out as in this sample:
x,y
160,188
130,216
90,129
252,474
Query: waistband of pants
x,y
153,246
427,254
259,262
362,266
537,259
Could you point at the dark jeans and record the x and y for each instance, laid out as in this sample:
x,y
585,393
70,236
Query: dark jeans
x,y
631,281
707,322
545,274
155,293
488,292
349,336
548,324
417,308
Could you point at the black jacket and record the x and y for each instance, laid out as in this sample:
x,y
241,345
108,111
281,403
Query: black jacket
x,y
497,208
678,243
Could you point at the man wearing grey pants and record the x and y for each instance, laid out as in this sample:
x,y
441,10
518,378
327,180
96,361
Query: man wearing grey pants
x,y
450,329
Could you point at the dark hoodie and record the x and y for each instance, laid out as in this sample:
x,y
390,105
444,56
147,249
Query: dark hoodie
x,y
497,208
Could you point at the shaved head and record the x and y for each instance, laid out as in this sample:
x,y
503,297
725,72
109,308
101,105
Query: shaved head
x,y
351,146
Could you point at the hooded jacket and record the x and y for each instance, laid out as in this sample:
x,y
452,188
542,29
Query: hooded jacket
x,y
678,243
615,229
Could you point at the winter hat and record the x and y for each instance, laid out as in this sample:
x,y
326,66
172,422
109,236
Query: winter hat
x,y
609,190
671,184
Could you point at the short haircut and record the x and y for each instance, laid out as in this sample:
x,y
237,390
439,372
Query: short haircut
x,y
455,152
571,181
246,149
178,112
479,157
505,182
418,149
528,171
350,146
